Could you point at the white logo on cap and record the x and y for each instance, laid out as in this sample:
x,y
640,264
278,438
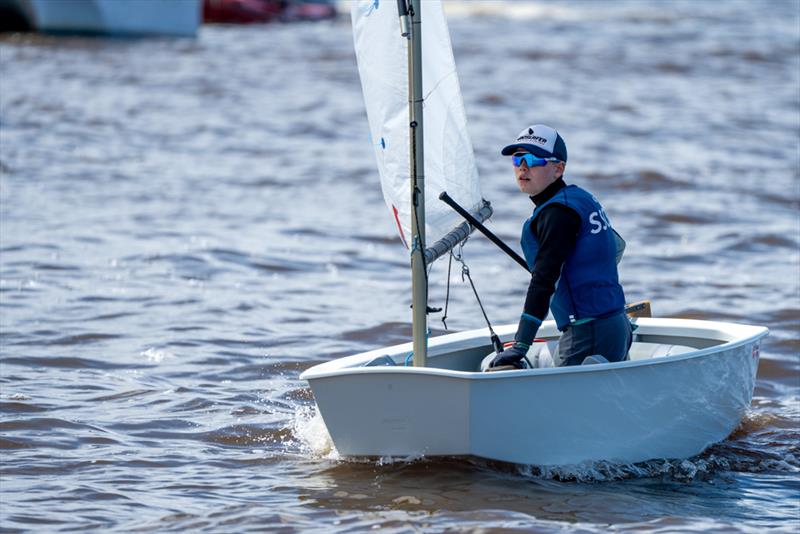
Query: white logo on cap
x,y
532,137
540,135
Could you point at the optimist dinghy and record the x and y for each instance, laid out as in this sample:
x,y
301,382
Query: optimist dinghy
x,y
686,386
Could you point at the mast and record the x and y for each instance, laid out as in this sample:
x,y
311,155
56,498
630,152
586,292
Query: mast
x,y
410,10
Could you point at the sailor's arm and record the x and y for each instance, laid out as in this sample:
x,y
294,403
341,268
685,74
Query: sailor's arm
x,y
556,230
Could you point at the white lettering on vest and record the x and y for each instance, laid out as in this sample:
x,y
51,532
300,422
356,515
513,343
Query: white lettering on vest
x,y
598,225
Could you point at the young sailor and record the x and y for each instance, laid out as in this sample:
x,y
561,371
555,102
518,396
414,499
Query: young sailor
x,y
571,251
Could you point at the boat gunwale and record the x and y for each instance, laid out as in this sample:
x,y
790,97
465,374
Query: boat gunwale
x,y
328,370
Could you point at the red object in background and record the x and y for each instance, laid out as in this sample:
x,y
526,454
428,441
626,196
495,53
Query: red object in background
x,y
242,11
309,11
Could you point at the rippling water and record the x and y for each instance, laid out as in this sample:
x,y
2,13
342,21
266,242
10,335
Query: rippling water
x,y
187,225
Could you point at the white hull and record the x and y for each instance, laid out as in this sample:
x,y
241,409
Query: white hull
x,y
114,17
662,407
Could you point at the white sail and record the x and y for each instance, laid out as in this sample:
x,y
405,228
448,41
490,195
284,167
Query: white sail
x,y
449,159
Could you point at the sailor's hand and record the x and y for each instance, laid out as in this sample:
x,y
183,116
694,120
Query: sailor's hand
x,y
511,356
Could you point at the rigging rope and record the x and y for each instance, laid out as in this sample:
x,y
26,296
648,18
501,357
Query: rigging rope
x,y
447,295
498,345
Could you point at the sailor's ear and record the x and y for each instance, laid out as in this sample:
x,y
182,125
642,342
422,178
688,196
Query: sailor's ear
x,y
562,166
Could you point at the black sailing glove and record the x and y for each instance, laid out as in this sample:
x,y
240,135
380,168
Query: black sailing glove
x,y
526,332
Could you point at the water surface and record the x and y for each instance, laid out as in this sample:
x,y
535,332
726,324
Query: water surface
x,y
185,226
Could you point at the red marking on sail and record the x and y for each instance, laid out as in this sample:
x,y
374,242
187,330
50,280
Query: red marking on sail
x,y
399,226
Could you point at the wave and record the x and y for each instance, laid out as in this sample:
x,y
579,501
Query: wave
x,y
65,362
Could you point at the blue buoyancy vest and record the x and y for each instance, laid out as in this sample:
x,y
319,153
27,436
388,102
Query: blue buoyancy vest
x,y
589,283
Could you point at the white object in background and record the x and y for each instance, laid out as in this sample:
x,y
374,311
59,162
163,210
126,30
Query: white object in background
x,y
115,17
540,355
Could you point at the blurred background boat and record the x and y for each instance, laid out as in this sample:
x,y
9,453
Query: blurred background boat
x,y
180,18
260,11
102,17
241,11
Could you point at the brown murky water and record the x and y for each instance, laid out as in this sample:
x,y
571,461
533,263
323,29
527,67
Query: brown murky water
x,y
187,225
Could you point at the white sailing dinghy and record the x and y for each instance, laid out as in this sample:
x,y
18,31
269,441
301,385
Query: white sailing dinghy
x,y
686,386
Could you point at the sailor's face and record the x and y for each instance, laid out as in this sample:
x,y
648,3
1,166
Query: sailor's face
x,y
534,180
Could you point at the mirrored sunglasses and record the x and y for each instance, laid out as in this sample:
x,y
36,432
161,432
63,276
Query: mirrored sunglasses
x,y
530,160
